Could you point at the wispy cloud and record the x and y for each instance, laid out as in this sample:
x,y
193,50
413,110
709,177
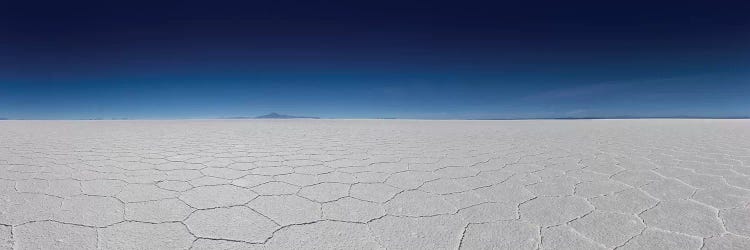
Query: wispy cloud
x,y
604,88
581,91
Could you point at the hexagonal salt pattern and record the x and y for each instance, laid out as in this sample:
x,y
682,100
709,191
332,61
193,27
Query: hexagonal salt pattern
x,y
375,184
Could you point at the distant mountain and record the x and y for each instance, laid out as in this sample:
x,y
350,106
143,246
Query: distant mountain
x,y
621,117
281,116
651,117
3,118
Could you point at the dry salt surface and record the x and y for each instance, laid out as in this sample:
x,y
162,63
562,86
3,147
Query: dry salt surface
x,y
375,184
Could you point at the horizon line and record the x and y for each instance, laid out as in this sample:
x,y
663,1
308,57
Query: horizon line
x,y
398,118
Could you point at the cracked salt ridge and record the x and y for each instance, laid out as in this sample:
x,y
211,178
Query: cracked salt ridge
x,y
375,184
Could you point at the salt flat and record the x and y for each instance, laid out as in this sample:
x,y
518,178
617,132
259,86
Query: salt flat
x,y
371,184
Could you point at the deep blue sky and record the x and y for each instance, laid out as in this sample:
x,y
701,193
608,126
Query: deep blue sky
x,y
358,59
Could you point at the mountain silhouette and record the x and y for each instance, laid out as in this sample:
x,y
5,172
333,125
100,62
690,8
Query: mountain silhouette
x,y
275,115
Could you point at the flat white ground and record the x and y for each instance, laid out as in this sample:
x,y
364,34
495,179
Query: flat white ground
x,y
369,184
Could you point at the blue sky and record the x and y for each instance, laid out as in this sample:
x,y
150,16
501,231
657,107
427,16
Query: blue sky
x,y
446,60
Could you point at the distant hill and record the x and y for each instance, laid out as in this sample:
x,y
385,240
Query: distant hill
x,y
273,115
4,118
621,117
282,116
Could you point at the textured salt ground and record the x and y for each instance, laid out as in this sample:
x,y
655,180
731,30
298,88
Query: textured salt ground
x,y
373,184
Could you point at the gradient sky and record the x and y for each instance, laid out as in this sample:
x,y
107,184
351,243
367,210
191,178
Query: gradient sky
x,y
370,59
